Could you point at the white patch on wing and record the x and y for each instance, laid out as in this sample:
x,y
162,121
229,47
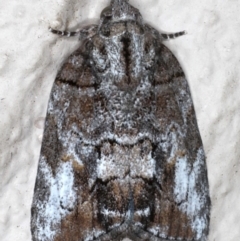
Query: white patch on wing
x,y
110,213
143,212
187,181
62,197
124,160
181,179
65,184
94,233
143,167
197,202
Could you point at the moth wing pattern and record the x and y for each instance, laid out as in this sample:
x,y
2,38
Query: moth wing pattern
x,y
121,155
182,194
66,173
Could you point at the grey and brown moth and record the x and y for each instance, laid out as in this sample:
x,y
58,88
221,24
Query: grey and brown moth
x,y
121,155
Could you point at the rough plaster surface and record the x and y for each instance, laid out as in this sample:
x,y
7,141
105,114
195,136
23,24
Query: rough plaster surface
x,y
30,57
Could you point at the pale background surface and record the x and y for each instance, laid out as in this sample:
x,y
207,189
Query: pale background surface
x,y
31,57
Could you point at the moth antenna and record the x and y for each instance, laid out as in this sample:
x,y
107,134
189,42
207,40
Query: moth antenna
x,y
167,36
87,32
63,33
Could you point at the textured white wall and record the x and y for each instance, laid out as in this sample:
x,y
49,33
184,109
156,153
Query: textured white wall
x,y
30,57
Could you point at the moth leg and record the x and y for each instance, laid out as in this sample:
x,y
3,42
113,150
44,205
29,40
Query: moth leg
x,y
167,36
86,32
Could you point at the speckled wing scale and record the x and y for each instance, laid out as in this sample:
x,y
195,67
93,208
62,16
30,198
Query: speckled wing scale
x,y
121,156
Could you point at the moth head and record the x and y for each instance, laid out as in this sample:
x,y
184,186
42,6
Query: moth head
x,y
120,10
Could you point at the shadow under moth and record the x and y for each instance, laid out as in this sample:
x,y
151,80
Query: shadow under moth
x,y
121,157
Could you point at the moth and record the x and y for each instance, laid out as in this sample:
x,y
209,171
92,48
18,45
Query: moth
x,y
121,155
